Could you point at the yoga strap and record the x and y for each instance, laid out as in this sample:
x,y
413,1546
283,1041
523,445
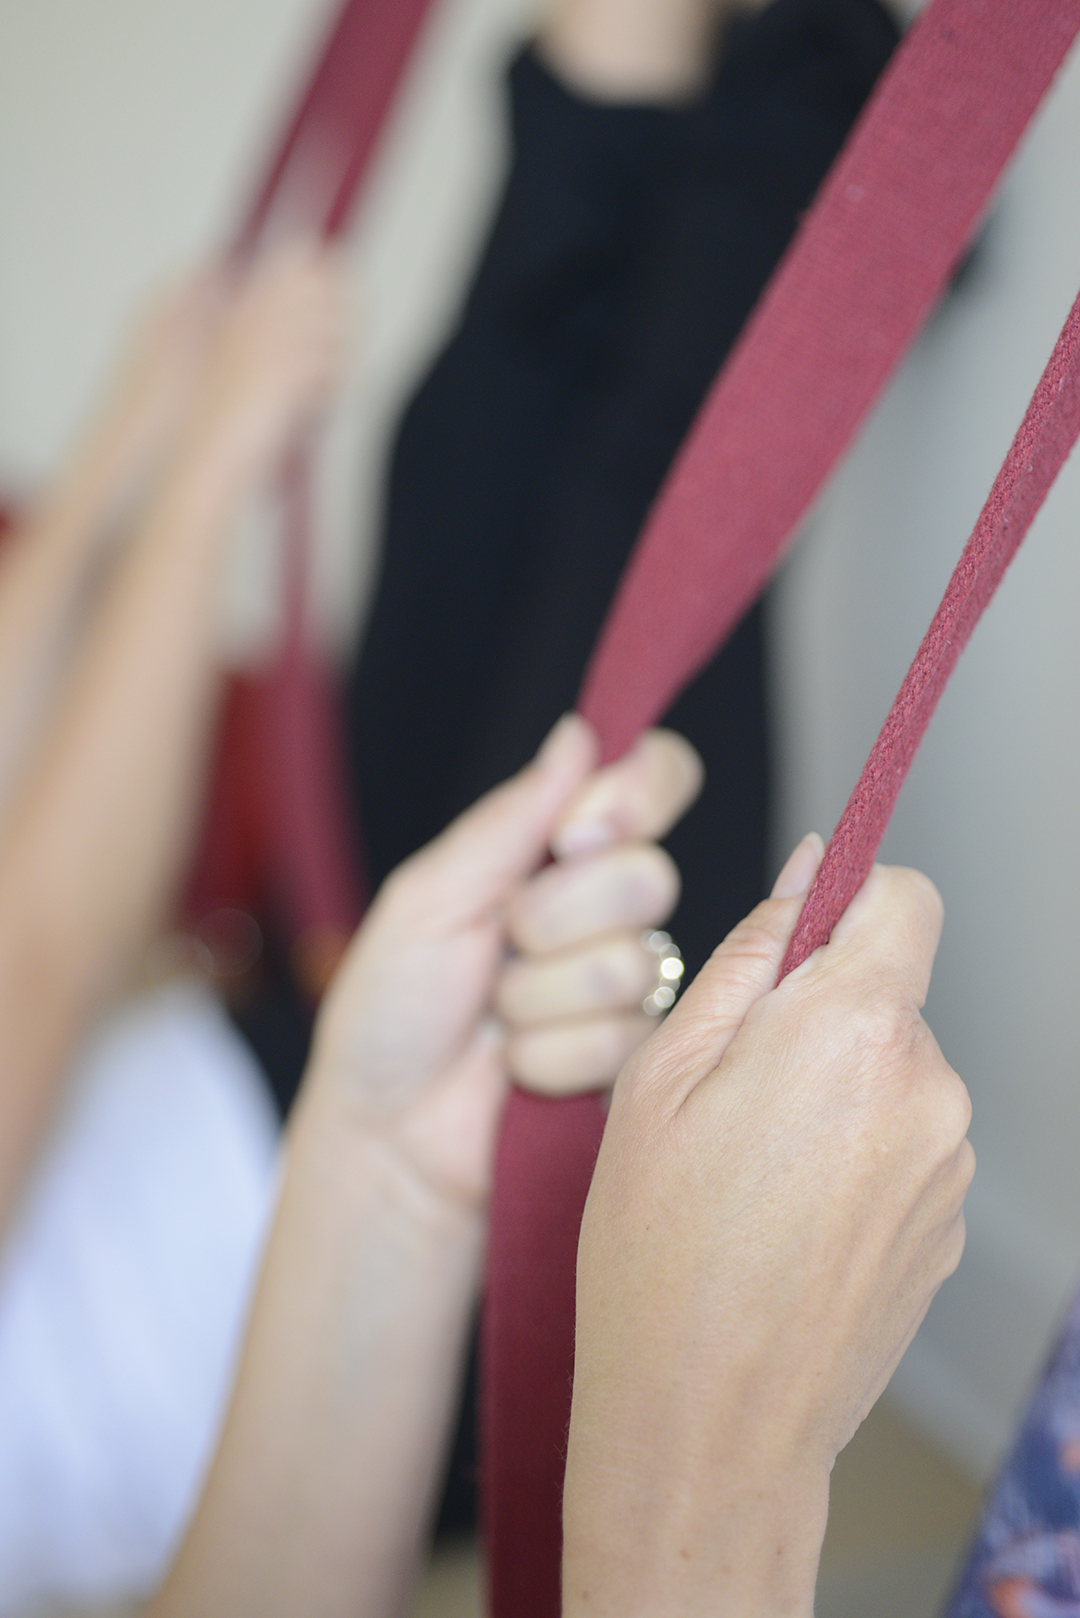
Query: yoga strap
x,y
1039,451
287,838
313,180
312,184
890,224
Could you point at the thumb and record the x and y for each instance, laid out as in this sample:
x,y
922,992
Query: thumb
x,y
486,852
740,971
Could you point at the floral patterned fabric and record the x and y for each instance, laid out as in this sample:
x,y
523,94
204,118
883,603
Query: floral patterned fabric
x,y
1025,1562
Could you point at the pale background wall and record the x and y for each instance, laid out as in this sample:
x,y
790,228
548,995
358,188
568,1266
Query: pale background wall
x,y
128,129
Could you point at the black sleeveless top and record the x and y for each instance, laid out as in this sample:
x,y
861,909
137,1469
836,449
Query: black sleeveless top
x,y
629,247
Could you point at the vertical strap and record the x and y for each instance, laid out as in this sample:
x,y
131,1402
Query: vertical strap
x,y
1039,451
890,224
313,179
293,824
312,847
872,258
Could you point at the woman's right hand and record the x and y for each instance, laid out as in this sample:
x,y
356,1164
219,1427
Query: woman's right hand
x,y
778,1197
276,354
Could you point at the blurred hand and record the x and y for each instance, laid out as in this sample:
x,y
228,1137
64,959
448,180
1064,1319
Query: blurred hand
x,y
406,1030
152,391
276,354
777,1199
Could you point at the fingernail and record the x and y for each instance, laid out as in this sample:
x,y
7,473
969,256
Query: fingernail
x,y
581,837
800,868
558,737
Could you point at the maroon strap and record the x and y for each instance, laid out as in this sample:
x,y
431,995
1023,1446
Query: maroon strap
x,y
285,836
311,847
1039,451
890,224
320,164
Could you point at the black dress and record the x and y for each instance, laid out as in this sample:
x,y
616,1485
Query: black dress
x,y
629,247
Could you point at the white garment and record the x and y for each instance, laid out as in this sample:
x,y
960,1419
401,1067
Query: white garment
x,y
123,1292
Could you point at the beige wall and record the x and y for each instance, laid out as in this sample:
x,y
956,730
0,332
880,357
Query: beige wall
x,y
127,130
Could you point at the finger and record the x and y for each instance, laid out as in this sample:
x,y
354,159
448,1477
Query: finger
x,y
634,885
486,852
741,970
639,798
889,933
614,973
576,1056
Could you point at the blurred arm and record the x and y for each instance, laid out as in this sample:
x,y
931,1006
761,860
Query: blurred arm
x,y
49,564
97,835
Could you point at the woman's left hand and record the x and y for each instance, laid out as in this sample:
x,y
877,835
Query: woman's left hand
x,y
407,1034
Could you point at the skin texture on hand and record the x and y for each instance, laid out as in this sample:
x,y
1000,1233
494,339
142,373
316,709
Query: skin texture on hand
x,y
406,1027
277,355
778,1197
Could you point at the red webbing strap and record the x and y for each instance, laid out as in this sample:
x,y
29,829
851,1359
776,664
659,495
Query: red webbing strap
x,y
313,180
314,866
865,269
1039,451
284,720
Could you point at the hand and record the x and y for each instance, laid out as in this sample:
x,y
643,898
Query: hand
x,y
152,391
778,1197
276,354
406,1031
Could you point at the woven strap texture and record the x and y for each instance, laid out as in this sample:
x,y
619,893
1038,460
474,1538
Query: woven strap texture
x,y
890,224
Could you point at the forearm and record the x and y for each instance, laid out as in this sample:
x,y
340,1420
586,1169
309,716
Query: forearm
x,y
325,1477
98,831
674,1523
46,571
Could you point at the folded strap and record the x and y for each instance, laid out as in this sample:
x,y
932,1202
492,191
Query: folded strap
x,y
891,222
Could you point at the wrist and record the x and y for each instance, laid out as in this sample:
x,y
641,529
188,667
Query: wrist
x,y
345,1149
671,1526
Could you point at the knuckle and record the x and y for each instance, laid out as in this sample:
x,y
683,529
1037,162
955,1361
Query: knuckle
x,y
569,1060
510,998
883,1031
953,1246
925,895
955,1106
757,939
680,771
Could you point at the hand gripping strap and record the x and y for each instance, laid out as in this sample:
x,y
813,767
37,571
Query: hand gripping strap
x,y
288,839
891,222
